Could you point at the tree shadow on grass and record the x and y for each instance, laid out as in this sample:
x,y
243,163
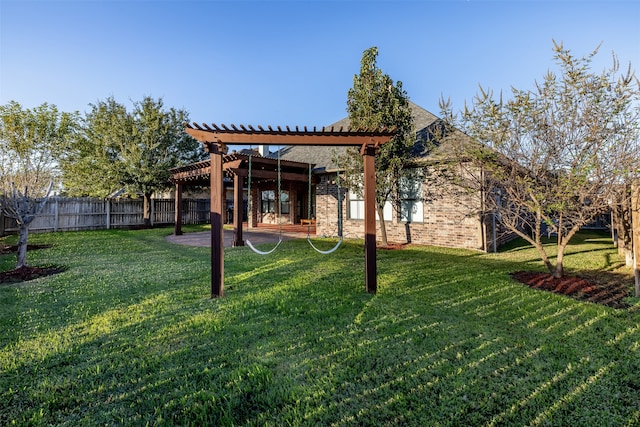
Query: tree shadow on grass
x,y
610,285
448,340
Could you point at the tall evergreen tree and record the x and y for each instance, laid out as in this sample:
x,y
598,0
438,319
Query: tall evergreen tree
x,y
375,102
131,150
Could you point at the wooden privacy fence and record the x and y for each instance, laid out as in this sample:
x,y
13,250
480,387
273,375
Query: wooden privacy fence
x,y
84,213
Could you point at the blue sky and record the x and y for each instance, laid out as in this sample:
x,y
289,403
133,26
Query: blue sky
x,y
292,62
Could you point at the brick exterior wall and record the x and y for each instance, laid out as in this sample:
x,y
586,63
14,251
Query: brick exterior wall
x,y
448,219
327,206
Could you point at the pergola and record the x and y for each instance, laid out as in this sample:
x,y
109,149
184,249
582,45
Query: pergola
x,y
217,139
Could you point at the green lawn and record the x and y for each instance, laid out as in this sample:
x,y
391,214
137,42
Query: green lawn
x,y
128,336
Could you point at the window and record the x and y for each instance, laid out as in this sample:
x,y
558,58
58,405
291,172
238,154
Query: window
x,y
411,207
268,201
284,202
356,207
387,212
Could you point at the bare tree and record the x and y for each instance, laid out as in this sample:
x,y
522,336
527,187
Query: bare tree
x,y
553,157
30,141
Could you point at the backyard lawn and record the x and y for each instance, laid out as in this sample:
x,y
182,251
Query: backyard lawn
x,y
127,335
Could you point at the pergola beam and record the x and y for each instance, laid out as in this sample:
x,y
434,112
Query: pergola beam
x,y
238,167
324,137
266,174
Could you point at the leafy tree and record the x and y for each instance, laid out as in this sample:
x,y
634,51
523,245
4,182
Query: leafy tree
x,y
556,155
375,102
30,142
92,165
131,150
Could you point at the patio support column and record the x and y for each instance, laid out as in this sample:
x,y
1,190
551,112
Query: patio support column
x,y
177,228
250,207
216,214
369,153
238,209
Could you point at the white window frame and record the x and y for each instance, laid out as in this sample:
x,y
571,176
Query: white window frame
x,y
356,205
411,202
356,208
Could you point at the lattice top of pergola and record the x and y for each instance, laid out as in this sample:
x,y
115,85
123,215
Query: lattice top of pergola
x,y
327,136
278,130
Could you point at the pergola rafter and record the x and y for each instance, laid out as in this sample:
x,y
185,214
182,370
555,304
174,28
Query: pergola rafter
x,y
216,138
328,136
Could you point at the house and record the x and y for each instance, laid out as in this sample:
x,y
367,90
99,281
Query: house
x,y
432,211
297,184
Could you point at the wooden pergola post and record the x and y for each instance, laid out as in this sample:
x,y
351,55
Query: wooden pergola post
x,y
177,228
216,215
370,274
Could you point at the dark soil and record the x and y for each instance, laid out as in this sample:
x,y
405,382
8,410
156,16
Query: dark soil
x,y
25,273
606,289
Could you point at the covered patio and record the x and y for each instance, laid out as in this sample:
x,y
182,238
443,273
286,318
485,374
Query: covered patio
x,y
286,207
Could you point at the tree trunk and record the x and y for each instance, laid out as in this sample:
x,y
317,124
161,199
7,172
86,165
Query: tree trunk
x,y
558,272
544,257
21,255
625,233
635,220
146,210
383,229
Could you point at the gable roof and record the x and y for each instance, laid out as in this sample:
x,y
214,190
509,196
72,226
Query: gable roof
x,y
324,157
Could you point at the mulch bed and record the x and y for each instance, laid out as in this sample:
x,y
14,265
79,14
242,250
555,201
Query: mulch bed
x,y
26,273
605,291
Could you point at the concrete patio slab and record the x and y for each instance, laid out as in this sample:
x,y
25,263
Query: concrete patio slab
x,y
203,238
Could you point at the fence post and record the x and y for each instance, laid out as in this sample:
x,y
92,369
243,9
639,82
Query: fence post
x,y
107,205
55,215
1,223
177,210
152,214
